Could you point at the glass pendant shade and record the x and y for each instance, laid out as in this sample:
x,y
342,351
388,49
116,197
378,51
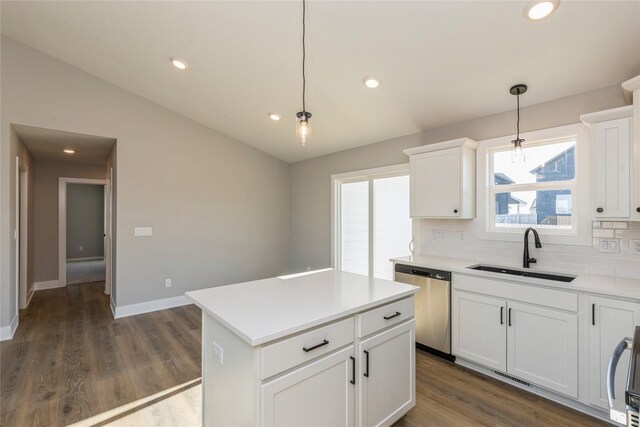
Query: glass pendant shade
x,y
303,128
517,154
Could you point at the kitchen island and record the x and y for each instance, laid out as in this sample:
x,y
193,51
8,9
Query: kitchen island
x,y
325,348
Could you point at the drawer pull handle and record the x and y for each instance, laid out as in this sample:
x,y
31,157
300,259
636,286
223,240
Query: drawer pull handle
x,y
306,350
366,364
353,370
509,317
501,317
593,314
392,316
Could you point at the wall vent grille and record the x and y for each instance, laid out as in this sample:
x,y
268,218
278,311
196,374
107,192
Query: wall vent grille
x,y
514,379
634,419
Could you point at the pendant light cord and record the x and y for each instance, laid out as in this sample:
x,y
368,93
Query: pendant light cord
x,y
304,54
518,121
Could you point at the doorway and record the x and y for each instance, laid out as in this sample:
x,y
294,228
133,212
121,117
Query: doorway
x,y
22,200
82,230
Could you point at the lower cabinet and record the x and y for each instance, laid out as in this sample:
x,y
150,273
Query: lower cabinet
x,y
542,347
610,320
319,394
387,375
478,329
534,343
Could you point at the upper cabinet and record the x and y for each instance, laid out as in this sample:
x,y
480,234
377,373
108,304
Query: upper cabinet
x,y
612,163
442,179
632,90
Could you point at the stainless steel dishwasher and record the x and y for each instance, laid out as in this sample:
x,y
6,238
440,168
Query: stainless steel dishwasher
x,y
433,307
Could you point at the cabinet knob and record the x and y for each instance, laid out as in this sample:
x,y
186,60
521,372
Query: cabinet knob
x,y
455,211
599,210
638,209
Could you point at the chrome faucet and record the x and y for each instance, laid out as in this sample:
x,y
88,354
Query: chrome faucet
x,y
526,260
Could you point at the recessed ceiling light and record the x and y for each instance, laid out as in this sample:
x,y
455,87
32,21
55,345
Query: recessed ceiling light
x,y
371,82
179,63
274,116
537,9
69,151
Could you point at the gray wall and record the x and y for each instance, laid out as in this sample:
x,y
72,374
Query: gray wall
x,y
219,208
311,179
47,174
85,221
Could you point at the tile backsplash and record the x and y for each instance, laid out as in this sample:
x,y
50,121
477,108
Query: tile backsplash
x,y
457,239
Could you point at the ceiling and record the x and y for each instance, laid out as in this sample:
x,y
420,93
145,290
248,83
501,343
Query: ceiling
x,y
439,62
48,144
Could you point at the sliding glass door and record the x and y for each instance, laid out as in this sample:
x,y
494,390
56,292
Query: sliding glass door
x,y
371,220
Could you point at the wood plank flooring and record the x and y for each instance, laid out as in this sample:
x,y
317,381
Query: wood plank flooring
x,y
70,359
71,362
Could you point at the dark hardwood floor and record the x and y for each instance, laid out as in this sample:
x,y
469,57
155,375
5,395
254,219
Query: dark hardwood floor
x,y
71,360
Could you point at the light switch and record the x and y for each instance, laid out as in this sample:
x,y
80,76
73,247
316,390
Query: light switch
x,y
142,231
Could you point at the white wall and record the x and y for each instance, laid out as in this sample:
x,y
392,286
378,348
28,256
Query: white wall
x,y
310,179
219,208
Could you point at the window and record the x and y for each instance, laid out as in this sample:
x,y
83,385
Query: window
x,y
371,220
537,192
548,190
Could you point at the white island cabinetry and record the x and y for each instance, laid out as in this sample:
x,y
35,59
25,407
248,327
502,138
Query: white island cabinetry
x,y
325,349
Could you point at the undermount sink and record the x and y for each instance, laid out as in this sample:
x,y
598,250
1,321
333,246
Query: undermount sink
x,y
523,273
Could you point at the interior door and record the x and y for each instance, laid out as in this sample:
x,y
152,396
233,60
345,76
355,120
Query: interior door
x,y
542,347
387,375
318,395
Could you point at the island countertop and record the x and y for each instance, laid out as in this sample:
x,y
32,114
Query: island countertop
x,y
265,310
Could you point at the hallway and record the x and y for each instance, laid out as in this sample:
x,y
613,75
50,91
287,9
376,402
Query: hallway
x,y
70,360
85,271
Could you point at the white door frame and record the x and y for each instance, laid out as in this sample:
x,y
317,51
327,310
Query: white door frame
x,y
62,223
20,233
108,198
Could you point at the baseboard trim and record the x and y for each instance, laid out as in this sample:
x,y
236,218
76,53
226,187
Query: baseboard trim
x,y
149,306
89,258
7,332
30,295
50,284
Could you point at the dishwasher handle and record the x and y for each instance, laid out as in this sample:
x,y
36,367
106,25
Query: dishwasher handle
x,y
423,272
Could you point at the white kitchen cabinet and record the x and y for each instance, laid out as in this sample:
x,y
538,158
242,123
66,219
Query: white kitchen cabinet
x,y
478,329
387,375
442,179
612,161
503,326
632,89
319,394
542,347
610,321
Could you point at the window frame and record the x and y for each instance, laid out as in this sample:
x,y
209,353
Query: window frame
x,y
368,175
580,233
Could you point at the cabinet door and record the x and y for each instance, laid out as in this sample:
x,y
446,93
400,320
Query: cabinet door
x,y
612,168
435,183
542,347
319,394
479,329
387,375
610,321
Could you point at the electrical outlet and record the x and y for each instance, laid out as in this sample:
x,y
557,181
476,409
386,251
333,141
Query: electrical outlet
x,y
611,246
217,352
438,234
635,246
81,248
167,283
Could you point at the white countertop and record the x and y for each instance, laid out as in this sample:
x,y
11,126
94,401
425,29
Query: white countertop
x,y
269,309
592,283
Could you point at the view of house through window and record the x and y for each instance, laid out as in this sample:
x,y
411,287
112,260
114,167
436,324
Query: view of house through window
x,y
537,192
374,224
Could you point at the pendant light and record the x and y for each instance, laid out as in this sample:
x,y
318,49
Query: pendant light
x,y
303,127
517,155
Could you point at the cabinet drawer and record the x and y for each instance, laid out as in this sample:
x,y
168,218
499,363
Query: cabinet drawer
x,y
387,315
283,355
